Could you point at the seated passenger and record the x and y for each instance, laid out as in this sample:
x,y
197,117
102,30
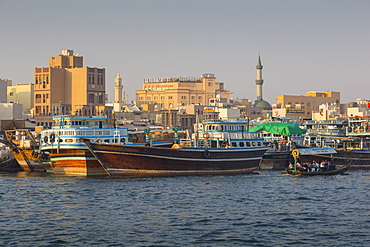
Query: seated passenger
x,y
324,166
291,166
316,166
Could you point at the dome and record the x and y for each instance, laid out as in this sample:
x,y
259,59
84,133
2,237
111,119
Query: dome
x,y
263,104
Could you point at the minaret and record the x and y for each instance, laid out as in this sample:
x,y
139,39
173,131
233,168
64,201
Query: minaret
x,y
259,80
118,89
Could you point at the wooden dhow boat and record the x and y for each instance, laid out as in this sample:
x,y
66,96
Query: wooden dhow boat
x,y
206,152
69,156
25,148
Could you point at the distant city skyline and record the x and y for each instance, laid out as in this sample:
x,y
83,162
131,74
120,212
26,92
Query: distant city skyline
x,y
304,46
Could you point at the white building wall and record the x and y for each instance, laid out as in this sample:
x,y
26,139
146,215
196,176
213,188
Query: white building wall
x,y
357,111
227,113
10,111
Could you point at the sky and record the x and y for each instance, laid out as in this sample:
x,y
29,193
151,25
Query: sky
x,y
304,45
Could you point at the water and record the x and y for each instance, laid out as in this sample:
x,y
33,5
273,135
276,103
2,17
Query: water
x,y
267,209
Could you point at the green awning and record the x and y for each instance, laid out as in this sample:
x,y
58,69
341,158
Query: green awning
x,y
279,128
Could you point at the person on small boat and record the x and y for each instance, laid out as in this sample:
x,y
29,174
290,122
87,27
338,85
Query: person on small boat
x,y
316,166
298,166
291,166
323,166
330,165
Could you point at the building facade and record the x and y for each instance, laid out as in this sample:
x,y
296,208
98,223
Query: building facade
x,y
4,84
172,93
66,87
302,106
10,111
22,94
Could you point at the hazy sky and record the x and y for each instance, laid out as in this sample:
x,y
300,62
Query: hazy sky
x,y
304,45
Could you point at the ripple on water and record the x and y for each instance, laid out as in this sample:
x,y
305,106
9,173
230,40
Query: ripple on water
x,y
244,210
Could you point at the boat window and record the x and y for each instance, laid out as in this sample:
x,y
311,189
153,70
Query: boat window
x,y
253,144
123,140
259,144
241,144
115,140
106,140
233,144
89,133
248,144
69,140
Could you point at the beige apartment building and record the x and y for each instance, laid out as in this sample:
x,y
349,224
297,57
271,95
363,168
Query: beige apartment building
x,y
66,87
22,94
172,93
302,106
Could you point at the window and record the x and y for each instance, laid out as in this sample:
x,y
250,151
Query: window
x,y
170,105
169,97
210,84
192,97
162,97
38,98
100,98
155,98
11,94
91,98
183,97
199,97
148,98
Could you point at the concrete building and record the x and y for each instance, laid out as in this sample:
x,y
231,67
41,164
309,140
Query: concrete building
x,y
22,94
172,93
65,87
327,112
10,111
302,106
229,113
359,108
4,84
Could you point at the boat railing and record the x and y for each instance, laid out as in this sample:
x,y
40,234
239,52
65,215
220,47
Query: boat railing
x,y
85,132
245,135
200,143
